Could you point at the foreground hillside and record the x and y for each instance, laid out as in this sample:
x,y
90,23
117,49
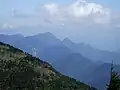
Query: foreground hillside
x,y
21,71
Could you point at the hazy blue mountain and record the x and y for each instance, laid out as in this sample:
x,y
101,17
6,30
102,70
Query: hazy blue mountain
x,y
10,38
44,41
55,53
48,38
93,73
46,46
92,53
68,43
73,65
101,75
118,51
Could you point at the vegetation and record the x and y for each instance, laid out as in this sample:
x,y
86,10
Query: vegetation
x,y
114,83
22,71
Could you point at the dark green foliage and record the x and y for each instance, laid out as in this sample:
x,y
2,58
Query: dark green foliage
x,y
22,71
114,83
12,49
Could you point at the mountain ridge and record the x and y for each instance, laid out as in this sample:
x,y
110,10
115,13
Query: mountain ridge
x,y
22,71
60,54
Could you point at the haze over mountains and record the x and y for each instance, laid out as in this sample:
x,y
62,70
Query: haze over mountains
x,y
77,60
48,40
91,52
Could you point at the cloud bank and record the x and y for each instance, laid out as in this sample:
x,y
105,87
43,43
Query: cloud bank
x,y
80,10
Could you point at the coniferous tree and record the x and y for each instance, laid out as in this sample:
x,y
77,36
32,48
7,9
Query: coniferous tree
x,y
114,83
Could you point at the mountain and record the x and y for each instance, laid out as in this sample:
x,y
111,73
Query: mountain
x,y
78,60
95,74
44,41
47,46
118,51
10,38
22,71
68,43
99,75
48,38
73,65
92,53
55,53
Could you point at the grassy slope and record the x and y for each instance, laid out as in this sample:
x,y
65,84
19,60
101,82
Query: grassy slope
x,y
22,71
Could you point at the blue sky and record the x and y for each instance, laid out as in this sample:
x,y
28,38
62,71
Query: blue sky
x,y
26,5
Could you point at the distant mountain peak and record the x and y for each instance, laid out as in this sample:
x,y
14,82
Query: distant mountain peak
x,y
67,40
46,34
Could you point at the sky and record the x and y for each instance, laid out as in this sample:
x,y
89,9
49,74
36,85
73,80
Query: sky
x,y
95,22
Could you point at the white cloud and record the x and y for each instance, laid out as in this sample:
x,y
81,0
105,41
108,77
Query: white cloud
x,y
52,8
5,26
79,10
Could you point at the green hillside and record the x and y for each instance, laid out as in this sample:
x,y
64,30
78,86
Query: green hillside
x,y
22,71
